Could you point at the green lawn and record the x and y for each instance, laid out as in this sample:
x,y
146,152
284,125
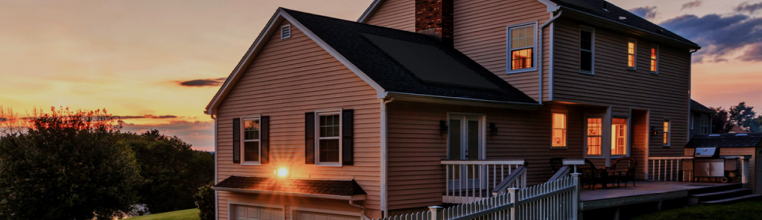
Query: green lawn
x,y
744,210
188,214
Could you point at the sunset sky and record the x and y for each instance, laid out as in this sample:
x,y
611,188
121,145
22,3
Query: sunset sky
x,y
160,62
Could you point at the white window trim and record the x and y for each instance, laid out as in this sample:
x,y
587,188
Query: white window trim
x,y
243,140
669,132
584,141
231,203
566,127
290,31
635,54
317,137
592,50
702,125
658,51
509,61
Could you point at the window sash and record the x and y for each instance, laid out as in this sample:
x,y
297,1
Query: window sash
x,y
632,51
587,54
559,130
321,154
667,132
594,139
654,58
522,39
247,156
521,63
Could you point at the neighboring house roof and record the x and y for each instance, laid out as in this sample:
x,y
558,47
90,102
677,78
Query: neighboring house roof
x,y
696,106
391,61
725,140
297,186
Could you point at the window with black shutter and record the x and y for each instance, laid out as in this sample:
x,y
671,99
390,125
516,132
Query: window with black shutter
x,y
309,138
347,137
236,140
265,139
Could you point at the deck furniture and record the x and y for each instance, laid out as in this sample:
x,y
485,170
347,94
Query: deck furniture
x,y
556,163
628,175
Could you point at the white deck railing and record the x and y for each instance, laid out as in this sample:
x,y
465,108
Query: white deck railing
x,y
552,200
666,169
472,180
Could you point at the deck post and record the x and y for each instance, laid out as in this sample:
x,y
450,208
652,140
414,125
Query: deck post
x,y
436,212
744,172
512,194
575,195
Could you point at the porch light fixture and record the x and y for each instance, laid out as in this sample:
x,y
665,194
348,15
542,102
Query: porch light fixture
x,y
654,131
282,172
442,127
492,129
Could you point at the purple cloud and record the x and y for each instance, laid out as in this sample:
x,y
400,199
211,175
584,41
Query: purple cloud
x,y
692,4
202,82
720,36
648,12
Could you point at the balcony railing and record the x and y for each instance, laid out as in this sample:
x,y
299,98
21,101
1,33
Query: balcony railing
x,y
471,180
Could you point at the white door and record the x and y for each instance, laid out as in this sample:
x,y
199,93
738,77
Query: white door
x,y
243,212
466,138
302,215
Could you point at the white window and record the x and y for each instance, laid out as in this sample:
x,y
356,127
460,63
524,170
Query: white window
x,y
251,144
285,31
632,52
667,132
521,48
704,124
587,50
594,136
559,130
654,58
328,129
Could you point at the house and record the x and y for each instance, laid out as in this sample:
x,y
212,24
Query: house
x,y
700,119
332,119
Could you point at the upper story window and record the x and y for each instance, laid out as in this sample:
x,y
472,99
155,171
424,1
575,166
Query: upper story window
x,y
521,47
667,132
704,124
559,130
251,141
654,58
328,147
632,50
594,136
587,50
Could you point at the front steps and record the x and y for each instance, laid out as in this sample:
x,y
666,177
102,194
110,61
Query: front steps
x,y
724,194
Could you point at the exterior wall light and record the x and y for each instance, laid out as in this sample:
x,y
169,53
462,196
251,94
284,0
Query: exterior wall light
x,y
282,172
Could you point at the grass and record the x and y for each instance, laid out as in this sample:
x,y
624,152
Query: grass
x,y
188,214
743,210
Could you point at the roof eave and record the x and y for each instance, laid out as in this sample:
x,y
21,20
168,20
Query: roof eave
x,y
267,192
402,96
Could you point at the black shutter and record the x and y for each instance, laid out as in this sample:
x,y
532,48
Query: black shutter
x,y
347,137
236,140
265,139
309,138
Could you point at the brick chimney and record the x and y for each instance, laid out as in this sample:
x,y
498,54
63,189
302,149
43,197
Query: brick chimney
x,y
434,17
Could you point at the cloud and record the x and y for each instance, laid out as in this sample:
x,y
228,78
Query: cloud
x,y
197,133
202,82
750,8
648,12
692,4
720,36
147,116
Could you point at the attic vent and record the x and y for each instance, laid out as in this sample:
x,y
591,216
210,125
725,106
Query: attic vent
x,y
742,134
714,135
285,31
622,18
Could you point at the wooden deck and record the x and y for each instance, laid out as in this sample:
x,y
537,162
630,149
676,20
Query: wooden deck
x,y
645,191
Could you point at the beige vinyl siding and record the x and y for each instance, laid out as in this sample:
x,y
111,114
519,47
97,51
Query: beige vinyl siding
x,y
288,78
397,14
416,146
480,32
665,94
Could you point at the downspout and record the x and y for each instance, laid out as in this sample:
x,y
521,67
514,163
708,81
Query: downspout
x,y
542,66
216,199
384,158
362,209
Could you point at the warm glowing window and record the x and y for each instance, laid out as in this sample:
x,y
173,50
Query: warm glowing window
x,y
654,58
631,52
704,124
619,136
328,148
594,133
667,132
559,130
586,48
522,43
251,146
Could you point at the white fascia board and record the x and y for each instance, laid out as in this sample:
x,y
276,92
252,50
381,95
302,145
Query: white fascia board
x,y
370,11
550,5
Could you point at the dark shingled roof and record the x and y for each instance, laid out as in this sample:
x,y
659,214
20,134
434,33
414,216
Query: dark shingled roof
x,y
350,40
595,7
725,140
696,106
326,187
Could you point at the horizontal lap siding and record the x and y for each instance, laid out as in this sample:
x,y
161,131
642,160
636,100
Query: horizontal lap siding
x,y
416,147
397,14
665,95
288,78
480,32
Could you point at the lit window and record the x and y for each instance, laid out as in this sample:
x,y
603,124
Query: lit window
x,y
559,130
631,52
619,136
251,145
587,48
594,133
667,132
328,138
522,43
704,124
654,58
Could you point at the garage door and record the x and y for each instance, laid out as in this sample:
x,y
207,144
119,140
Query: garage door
x,y
243,212
301,215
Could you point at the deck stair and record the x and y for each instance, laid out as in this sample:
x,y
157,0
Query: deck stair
x,y
723,194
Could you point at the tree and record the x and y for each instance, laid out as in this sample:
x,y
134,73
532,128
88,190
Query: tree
x,y
205,202
67,165
744,117
173,171
721,121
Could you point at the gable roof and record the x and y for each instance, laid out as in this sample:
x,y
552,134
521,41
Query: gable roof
x,y
725,140
696,106
358,47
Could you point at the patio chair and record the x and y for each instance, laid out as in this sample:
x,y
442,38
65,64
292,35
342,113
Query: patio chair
x,y
592,176
556,163
629,173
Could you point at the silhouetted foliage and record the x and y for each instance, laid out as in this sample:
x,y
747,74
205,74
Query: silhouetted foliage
x,y
205,202
744,117
721,121
67,165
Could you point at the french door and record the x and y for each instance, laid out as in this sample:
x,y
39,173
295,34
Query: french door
x,y
465,142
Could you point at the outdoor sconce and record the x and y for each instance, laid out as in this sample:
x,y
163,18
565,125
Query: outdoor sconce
x,y
442,127
492,129
654,131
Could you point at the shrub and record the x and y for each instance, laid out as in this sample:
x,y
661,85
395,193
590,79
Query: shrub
x,y
205,202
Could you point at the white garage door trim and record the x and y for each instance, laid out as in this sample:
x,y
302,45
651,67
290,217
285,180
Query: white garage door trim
x,y
232,203
294,210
